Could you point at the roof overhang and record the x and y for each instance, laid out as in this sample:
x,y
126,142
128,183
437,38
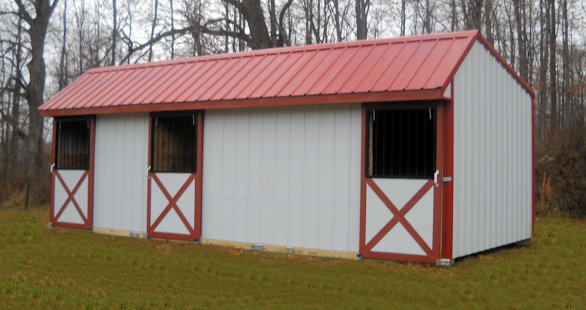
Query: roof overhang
x,y
396,96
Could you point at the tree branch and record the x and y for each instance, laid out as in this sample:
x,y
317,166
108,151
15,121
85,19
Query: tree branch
x,y
22,12
154,40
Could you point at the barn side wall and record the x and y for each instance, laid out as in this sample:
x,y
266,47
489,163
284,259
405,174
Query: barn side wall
x,y
492,156
120,183
283,176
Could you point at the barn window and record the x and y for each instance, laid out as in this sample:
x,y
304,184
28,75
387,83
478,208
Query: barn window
x,y
401,143
174,143
72,149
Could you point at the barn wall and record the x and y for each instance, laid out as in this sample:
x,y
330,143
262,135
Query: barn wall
x,y
283,176
121,156
492,156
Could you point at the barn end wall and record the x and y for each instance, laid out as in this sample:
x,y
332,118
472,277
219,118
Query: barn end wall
x,y
120,182
492,156
283,176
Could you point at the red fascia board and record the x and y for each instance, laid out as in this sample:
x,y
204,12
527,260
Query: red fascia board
x,y
434,94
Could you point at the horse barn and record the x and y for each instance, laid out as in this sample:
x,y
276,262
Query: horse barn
x,y
415,149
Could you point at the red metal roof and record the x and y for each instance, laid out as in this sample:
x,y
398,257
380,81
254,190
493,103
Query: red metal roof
x,y
406,68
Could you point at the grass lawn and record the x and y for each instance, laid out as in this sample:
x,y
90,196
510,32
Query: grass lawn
x,y
44,268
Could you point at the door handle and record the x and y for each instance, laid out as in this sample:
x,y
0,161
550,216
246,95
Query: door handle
x,y
435,176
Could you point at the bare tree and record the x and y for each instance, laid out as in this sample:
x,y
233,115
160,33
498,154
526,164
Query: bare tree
x,y
34,90
62,73
519,7
114,32
361,10
552,65
156,9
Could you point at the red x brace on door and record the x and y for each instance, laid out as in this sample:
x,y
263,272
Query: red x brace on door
x,y
171,210
74,211
172,205
390,234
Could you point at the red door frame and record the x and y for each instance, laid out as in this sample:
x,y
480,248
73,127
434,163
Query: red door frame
x,y
448,187
56,177
434,253
194,232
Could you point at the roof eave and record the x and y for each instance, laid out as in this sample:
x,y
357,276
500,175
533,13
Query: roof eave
x,y
393,96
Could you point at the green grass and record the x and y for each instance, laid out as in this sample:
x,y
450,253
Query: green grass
x,y
44,268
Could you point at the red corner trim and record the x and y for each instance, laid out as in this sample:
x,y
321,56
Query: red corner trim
x,y
198,176
532,166
362,242
448,188
52,203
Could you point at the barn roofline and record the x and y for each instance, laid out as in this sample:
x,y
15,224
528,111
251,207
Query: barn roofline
x,y
93,93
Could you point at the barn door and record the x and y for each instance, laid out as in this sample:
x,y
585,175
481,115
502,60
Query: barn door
x,y
72,172
401,187
174,177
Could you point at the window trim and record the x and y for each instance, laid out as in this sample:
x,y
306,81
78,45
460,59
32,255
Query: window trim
x,y
57,123
153,117
398,106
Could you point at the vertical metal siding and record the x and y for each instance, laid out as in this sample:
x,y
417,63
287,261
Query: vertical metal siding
x,y
283,176
492,156
120,186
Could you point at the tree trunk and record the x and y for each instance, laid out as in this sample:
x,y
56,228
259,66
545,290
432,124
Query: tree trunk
x,y
273,22
114,32
259,34
427,17
362,7
453,15
567,108
172,28
36,87
14,137
156,8
63,57
337,23
488,21
553,117
403,16
543,55
521,42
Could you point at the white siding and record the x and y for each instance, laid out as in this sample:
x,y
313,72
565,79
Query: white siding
x,y
120,184
283,176
492,156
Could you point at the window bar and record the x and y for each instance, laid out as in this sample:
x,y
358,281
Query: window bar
x,y
78,145
166,141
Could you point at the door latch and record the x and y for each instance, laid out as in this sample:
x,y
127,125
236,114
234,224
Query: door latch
x,y
435,175
447,179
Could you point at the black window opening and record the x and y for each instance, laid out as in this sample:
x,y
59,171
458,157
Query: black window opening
x,y
174,143
401,143
72,149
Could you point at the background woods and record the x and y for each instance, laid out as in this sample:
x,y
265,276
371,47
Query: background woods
x,y
46,44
